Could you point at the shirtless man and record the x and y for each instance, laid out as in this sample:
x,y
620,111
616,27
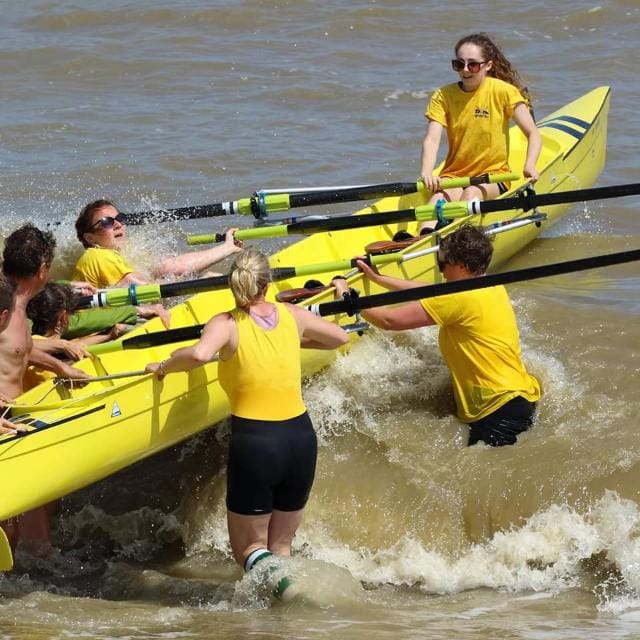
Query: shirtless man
x,y
27,257
7,304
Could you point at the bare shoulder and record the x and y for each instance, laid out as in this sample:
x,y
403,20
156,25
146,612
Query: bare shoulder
x,y
300,314
224,319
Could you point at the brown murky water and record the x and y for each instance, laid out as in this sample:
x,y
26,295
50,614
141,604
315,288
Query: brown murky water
x,y
408,533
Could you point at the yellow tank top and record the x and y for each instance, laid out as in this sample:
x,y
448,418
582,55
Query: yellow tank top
x,y
263,377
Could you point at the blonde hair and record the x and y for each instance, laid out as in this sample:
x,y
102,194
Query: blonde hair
x,y
250,274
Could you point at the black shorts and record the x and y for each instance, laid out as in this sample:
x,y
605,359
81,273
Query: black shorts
x,y
503,425
272,464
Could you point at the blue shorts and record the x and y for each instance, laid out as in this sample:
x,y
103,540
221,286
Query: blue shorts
x,y
272,464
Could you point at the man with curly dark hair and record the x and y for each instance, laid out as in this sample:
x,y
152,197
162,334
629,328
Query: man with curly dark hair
x,y
26,262
479,339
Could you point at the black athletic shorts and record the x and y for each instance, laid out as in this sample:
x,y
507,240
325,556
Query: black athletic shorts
x,y
272,464
504,424
502,187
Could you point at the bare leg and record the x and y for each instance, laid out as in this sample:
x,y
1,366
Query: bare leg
x,y
480,192
34,532
12,529
247,533
282,529
449,195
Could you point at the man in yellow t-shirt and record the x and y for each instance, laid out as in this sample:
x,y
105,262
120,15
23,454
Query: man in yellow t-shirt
x,y
478,338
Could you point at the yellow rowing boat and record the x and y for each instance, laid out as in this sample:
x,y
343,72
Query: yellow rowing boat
x,y
81,435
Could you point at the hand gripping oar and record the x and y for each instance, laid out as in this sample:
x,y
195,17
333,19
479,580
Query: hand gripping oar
x,y
356,304
262,203
147,293
170,336
525,200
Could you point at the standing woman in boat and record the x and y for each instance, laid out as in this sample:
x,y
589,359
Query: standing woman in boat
x,y
479,339
476,112
272,454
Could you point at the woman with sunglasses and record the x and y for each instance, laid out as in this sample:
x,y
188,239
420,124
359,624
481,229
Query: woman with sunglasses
x,y
476,111
102,231
478,338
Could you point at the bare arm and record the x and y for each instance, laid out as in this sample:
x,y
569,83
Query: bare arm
x,y
215,335
82,287
74,350
393,284
317,333
409,316
131,278
524,120
49,363
196,261
430,145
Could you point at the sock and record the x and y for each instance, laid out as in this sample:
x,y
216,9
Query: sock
x,y
256,556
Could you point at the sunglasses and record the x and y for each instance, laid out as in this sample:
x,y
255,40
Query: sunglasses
x,y
473,65
108,221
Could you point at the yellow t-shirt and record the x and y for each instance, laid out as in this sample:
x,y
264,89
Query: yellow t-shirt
x,y
477,126
263,377
101,267
480,343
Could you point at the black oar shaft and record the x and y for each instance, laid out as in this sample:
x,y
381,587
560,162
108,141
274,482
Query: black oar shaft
x,y
353,194
351,222
181,213
508,277
189,287
162,337
527,200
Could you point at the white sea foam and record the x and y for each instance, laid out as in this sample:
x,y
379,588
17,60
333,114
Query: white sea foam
x,y
556,549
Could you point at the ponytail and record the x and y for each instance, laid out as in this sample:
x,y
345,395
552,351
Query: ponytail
x,y
249,276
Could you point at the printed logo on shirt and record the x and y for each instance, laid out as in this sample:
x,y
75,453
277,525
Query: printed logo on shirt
x,y
480,113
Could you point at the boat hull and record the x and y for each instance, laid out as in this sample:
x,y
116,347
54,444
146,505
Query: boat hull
x,y
86,434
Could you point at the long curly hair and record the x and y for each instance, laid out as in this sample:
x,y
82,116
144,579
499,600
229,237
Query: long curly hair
x,y
502,69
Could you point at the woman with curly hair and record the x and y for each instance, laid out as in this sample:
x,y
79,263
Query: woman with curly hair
x,y
476,112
